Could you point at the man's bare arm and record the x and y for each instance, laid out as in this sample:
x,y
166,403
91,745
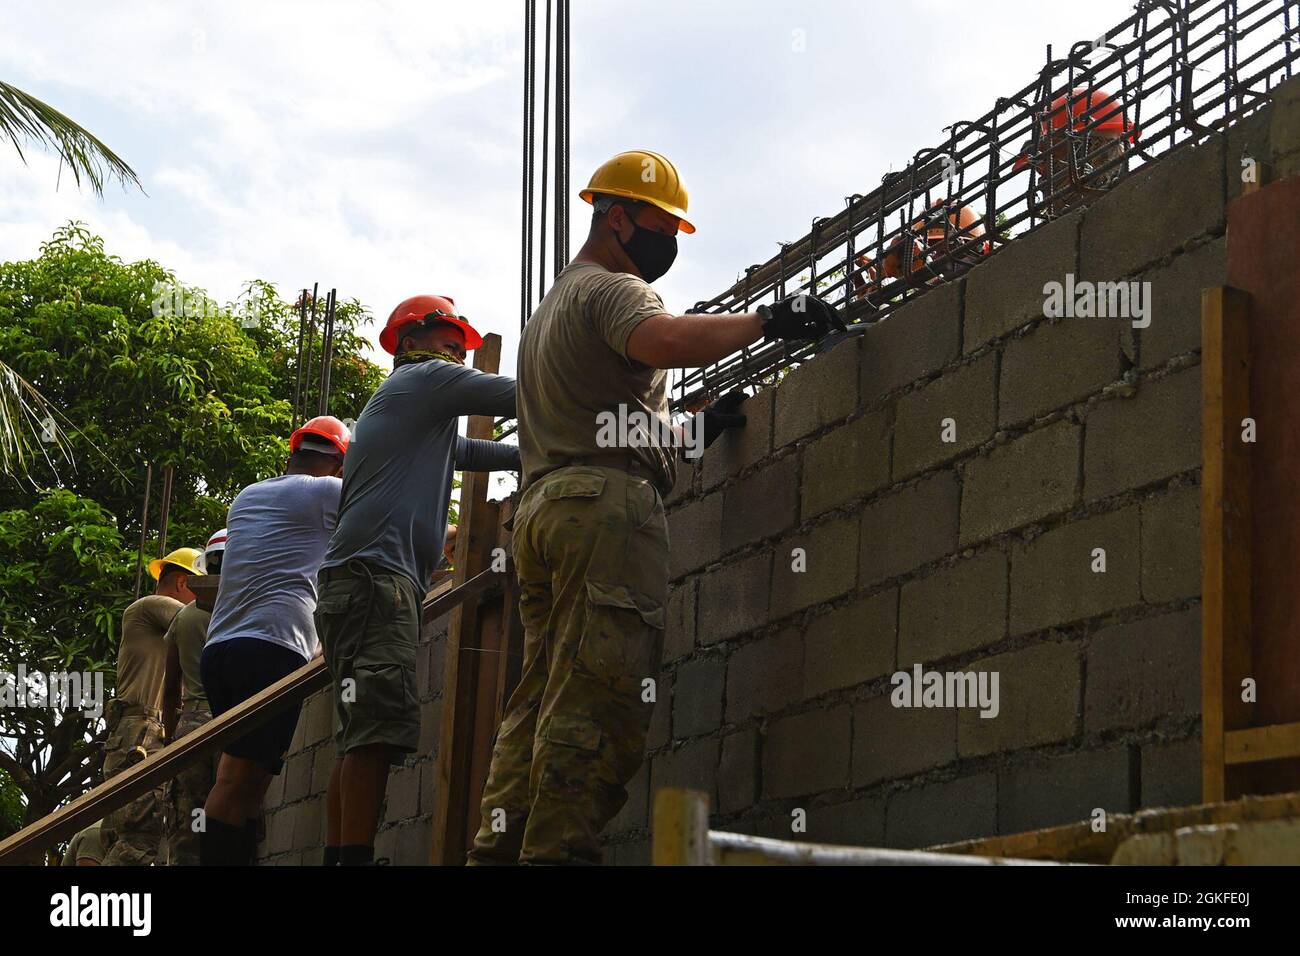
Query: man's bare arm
x,y
691,341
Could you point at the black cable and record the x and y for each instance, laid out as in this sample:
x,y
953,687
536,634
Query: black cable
x,y
526,186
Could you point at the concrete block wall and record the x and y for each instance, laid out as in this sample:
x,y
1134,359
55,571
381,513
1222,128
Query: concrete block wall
x,y
294,812
975,554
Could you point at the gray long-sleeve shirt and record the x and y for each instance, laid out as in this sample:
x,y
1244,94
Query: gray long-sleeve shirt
x,y
398,470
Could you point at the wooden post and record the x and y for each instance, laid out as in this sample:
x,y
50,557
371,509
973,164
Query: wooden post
x,y
1225,528
681,828
475,537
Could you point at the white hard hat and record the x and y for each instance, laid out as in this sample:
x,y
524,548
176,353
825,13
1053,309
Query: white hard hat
x,y
215,546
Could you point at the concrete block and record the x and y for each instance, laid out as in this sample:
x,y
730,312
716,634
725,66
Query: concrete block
x,y
761,505
430,726
403,794
1284,128
816,394
850,645
679,632
1007,291
694,535
1136,223
1067,788
1143,672
1133,442
1052,577
942,812
697,697
738,771
661,721
1057,364
765,675
411,848
919,339
847,463
634,814
824,568
297,771
1023,481
693,765
685,484
1171,772
738,448
892,743
954,610
1249,137
308,824
807,754
734,598
1038,701
321,768
909,528
852,823
1176,302
960,405
1171,545
317,716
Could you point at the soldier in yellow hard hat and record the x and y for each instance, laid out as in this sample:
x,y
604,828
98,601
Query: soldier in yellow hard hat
x,y
590,540
131,834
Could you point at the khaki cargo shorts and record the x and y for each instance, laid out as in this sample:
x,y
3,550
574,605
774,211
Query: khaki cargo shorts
x,y
368,622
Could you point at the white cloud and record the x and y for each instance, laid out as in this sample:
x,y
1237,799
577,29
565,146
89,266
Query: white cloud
x,y
375,146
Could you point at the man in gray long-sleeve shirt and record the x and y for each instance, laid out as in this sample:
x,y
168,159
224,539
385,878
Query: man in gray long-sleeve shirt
x,y
397,482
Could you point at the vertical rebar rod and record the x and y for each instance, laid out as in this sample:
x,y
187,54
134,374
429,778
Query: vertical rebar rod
x,y
311,337
144,526
526,186
546,128
297,388
165,514
326,351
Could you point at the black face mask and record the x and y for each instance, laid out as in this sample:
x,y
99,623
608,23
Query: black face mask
x,y
651,252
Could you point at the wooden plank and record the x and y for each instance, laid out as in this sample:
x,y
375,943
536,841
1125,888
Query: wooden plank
x,y
165,764
95,804
1263,248
681,828
1078,842
740,849
1257,744
1225,527
474,540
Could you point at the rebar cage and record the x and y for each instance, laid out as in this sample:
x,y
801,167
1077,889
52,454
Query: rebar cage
x,y
1174,73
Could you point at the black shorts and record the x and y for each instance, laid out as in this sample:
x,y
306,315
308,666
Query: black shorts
x,y
234,671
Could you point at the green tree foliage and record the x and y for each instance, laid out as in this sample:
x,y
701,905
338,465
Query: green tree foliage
x,y
64,579
137,380
132,379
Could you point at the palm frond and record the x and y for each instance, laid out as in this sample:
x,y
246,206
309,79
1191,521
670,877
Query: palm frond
x,y
24,117
24,411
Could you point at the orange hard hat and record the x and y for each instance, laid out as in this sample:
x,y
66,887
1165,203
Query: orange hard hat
x,y
419,308
327,427
1079,110
1085,108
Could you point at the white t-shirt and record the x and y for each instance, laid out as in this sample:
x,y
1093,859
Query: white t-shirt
x,y
278,530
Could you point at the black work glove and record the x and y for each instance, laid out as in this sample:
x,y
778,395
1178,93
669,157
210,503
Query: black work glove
x,y
799,316
721,415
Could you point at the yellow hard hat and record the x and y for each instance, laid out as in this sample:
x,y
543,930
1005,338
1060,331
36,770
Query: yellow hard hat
x,y
184,558
645,176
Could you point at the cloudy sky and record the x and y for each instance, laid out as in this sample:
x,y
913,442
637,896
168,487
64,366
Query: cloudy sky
x,y
375,146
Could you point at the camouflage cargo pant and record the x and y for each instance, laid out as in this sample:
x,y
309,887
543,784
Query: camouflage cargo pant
x,y
187,792
591,552
131,833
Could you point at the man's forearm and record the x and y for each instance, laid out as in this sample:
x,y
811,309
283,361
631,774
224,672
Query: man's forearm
x,y
692,341
479,454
